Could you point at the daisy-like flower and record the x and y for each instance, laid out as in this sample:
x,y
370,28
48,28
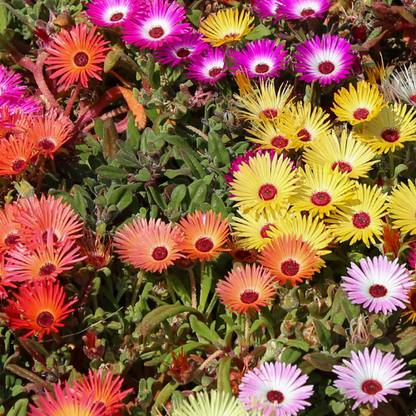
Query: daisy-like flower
x,y
16,153
390,129
5,281
97,249
402,83
378,284
289,258
10,228
322,190
42,308
26,105
190,46
205,235
327,59
266,9
347,154
411,306
264,185
358,104
411,255
66,402
160,25
260,58
247,289
369,377
10,87
362,218
226,26
303,9
113,13
402,207
13,123
276,389
210,67
76,55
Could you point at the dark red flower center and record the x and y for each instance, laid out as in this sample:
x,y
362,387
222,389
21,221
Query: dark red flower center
x,y
156,32
413,301
275,396
116,17
371,387
307,12
263,231
45,319
18,164
361,113
243,255
81,59
280,142
413,98
270,113
12,239
214,72
267,192
304,135
45,237
47,269
261,68
361,220
326,67
343,167
183,52
231,36
46,144
204,245
321,199
390,135
378,291
249,296
290,267
160,253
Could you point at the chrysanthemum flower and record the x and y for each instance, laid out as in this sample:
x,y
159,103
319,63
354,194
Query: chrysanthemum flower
x,y
402,207
160,25
402,83
226,26
76,55
327,59
16,153
370,377
322,190
113,13
390,129
190,46
276,389
205,235
10,84
357,105
267,8
64,403
264,185
378,284
210,67
303,9
362,219
411,306
261,58
247,288
289,258
347,154
10,227
42,308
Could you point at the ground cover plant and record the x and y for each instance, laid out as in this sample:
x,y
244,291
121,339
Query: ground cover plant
x,y
207,208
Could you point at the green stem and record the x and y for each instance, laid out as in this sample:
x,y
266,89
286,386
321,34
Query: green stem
x,y
170,288
139,282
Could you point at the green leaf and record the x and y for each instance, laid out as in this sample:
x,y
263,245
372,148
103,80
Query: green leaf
x,y
126,159
218,206
290,356
303,345
3,17
197,192
181,144
321,361
193,164
193,16
180,289
223,373
19,408
323,334
164,396
111,172
122,197
206,283
404,340
143,176
217,149
133,133
158,198
350,310
203,330
177,196
79,202
258,32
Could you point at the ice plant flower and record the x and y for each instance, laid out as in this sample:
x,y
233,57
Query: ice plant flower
x,y
41,306
210,67
402,207
205,235
159,25
16,152
261,58
10,81
13,123
10,228
402,83
368,377
378,284
411,255
5,281
275,389
358,104
226,26
303,9
76,55
247,289
327,59
411,306
265,9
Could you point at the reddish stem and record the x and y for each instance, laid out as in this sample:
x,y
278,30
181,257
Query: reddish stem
x,y
72,99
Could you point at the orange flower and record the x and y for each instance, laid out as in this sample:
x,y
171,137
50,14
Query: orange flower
x,y
205,234
248,288
13,123
239,253
289,258
98,252
4,280
411,307
15,154
10,234
76,55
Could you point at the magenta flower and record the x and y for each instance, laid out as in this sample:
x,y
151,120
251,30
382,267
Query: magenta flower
x,y
112,13
379,285
302,9
369,377
210,67
261,58
411,255
328,59
275,389
10,87
267,8
26,104
189,46
160,25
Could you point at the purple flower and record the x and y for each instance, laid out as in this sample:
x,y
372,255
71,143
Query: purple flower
x,y
261,58
160,25
369,377
267,8
10,87
189,46
411,255
210,67
302,9
113,13
328,59
379,285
